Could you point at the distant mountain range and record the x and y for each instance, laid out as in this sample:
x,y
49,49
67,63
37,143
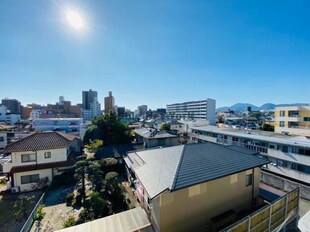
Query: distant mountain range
x,y
267,106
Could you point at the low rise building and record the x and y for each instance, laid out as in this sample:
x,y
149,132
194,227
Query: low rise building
x,y
68,125
36,159
182,188
289,154
151,137
292,120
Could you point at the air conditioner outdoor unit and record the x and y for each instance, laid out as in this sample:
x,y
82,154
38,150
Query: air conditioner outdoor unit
x,y
15,189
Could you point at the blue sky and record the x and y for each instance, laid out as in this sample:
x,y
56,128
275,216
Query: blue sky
x,y
156,52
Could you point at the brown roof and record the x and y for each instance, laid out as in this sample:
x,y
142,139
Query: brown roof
x,y
41,141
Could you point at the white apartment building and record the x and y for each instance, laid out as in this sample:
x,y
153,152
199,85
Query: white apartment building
x,y
68,125
7,117
195,110
35,114
289,154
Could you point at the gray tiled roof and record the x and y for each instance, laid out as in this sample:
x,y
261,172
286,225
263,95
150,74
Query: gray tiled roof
x,y
40,141
208,161
151,133
182,166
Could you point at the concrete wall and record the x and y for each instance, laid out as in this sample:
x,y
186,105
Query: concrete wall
x,y
285,185
28,187
190,209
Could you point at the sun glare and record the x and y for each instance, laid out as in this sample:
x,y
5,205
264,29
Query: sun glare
x,y
75,20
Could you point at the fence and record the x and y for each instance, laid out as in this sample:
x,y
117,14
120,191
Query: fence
x,y
271,217
28,224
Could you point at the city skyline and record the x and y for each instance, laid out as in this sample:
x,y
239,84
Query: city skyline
x,y
156,54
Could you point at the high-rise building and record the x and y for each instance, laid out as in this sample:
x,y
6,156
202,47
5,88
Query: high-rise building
x,y
12,105
142,110
204,109
87,98
120,111
109,103
61,99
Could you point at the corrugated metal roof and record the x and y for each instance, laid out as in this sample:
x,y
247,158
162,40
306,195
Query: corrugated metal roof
x,y
207,161
128,221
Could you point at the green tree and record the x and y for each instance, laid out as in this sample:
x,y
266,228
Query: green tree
x,y
165,126
108,128
94,145
81,168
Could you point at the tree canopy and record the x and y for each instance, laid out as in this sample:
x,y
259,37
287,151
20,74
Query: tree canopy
x,y
109,129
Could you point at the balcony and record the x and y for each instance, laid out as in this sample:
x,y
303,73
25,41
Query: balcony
x,y
7,166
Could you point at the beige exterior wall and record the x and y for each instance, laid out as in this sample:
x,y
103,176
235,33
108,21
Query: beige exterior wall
x,y
57,155
28,187
304,126
190,209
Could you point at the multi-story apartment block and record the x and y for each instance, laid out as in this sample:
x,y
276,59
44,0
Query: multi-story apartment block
x,y
290,155
88,97
109,103
142,110
12,105
182,188
292,120
7,117
36,159
68,125
196,110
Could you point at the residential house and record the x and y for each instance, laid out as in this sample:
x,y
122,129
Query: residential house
x,y
183,188
151,137
38,158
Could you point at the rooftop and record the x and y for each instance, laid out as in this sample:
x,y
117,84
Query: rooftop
x,y
294,140
152,133
182,166
40,141
128,221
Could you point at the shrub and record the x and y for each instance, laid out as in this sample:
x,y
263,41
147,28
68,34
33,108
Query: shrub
x,y
111,175
69,222
69,198
40,214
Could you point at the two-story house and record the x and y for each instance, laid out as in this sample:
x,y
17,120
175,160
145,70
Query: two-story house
x,y
151,137
183,188
39,157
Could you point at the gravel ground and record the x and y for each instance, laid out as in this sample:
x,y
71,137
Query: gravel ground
x,y
56,211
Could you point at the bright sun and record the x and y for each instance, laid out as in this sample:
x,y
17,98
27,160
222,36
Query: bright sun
x,y
75,20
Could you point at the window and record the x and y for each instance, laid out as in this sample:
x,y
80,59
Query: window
x,y
282,123
29,158
47,154
30,179
282,113
248,179
1,139
307,119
